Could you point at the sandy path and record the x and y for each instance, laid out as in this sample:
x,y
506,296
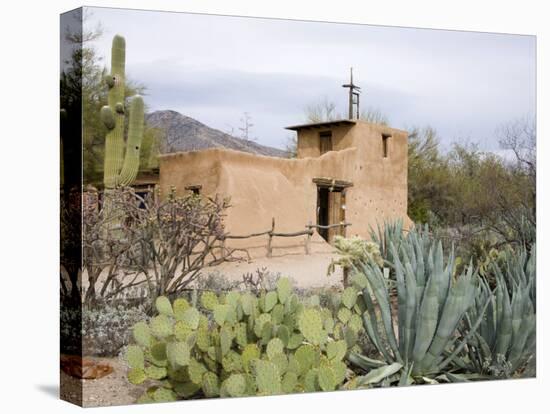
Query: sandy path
x,y
306,271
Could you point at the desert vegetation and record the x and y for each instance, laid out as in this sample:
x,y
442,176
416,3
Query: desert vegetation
x,y
412,312
423,321
451,299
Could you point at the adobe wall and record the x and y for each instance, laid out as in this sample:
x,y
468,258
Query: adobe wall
x,y
380,184
263,187
308,142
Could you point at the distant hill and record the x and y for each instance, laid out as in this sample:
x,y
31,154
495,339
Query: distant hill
x,y
183,133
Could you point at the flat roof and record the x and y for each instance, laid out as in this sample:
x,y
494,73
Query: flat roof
x,y
339,122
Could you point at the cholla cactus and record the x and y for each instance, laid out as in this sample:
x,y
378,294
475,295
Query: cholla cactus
x,y
352,251
121,161
240,344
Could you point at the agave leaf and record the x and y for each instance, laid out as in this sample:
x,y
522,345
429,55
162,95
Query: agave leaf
x,y
426,321
364,362
406,378
463,343
453,311
402,301
519,344
378,374
430,381
443,278
370,322
504,335
518,305
377,283
454,377
410,319
483,348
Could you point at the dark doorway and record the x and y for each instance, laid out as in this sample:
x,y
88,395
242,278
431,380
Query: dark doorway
x,y
322,211
330,210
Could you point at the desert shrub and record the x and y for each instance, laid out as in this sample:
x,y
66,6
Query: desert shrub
x,y
99,331
216,282
261,280
240,345
70,324
468,186
351,251
144,242
107,329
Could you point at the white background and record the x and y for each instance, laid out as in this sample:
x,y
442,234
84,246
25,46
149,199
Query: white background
x,y
29,155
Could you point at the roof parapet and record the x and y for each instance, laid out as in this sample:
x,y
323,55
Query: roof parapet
x,y
319,125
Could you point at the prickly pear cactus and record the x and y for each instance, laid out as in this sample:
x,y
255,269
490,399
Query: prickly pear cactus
x,y
238,345
121,159
343,320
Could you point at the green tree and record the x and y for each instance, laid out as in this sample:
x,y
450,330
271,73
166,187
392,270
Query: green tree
x,y
429,194
82,80
324,110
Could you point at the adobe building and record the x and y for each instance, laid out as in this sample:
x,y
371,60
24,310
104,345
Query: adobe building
x,y
346,171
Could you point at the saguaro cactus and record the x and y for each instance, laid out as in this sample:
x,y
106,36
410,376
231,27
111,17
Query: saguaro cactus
x,y
121,161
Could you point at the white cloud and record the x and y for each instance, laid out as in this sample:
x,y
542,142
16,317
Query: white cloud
x,y
215,67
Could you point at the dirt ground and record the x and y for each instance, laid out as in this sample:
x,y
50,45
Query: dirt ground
x,y
306,271
112,389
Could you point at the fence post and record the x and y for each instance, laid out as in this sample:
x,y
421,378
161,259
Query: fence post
x,y
269,248
308,239
223,248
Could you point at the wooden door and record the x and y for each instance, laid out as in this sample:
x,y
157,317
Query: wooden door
x,y
336,214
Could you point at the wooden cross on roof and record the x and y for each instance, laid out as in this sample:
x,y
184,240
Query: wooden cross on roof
x,y
354,92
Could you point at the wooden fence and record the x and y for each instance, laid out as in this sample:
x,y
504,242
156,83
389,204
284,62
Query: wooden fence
x,y
271,233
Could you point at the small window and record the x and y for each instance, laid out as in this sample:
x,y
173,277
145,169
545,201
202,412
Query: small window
x,y
325,142
195,189
385,145
143,196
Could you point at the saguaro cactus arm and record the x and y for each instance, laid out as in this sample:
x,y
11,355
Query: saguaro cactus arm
x,y
133,145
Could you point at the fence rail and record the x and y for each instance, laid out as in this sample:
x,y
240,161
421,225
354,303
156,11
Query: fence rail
x,y
271,233
330,226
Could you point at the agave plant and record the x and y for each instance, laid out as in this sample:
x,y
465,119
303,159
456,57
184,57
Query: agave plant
x,y
391,232
520,270
431,304
504,345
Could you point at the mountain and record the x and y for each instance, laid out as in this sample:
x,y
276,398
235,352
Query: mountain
x,y
182,133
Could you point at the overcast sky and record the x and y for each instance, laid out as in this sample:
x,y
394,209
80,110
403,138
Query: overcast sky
x,y
214,68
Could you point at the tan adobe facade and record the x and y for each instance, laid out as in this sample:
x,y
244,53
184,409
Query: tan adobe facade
x,y
346,171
